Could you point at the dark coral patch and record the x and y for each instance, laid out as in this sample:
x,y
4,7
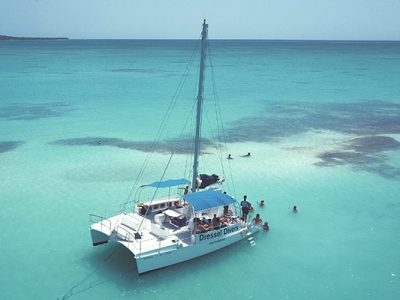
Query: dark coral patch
x,y
288,119
372,144
33,111
9,145
179,146
139,70
364,153
332,158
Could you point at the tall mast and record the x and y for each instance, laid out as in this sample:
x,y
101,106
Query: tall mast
x,y
204,34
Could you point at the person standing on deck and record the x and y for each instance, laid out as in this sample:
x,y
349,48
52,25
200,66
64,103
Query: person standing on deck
x,y
245,208
186,190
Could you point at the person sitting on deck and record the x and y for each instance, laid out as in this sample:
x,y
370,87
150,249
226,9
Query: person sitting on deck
x,y
177,204
257,219
208,225
224,221
226,210
200,228
216,222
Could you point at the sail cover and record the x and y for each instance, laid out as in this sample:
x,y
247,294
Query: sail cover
x,y
168,183
208,199
206,180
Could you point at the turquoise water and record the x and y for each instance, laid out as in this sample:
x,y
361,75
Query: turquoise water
x,y
321,119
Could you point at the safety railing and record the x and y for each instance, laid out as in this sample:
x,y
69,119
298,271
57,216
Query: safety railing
x,y
127,235
104,222
146,245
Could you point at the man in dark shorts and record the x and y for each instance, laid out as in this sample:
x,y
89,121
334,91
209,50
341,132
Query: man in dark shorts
x,y
245,208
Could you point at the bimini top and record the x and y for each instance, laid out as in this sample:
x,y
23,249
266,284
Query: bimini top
x,y
208,199
168,183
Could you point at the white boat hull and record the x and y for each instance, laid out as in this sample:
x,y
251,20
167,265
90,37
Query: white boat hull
x,y
181,254
151,255
98,237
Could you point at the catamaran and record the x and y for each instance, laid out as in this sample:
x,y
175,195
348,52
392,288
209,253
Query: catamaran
x,y
166,231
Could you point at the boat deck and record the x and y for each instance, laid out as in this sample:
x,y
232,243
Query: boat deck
x,y
124,228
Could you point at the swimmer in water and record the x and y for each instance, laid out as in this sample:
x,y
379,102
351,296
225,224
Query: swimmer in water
x,y
246,155
229,156
261,203
294,209
257,219
266,226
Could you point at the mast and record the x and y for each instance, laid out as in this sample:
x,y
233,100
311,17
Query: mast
x,y
204,34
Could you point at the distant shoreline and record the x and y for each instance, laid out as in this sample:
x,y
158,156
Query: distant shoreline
x,y
8,37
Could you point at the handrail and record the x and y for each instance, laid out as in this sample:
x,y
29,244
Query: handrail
x,y
128,235
138,200
102,219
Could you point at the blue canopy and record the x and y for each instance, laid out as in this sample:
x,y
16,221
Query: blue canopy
x,y
208,199
168,183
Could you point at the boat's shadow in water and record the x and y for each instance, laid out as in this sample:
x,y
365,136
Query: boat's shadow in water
x,y
115,264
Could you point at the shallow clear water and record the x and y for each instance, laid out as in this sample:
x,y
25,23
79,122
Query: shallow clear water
x,y
313,115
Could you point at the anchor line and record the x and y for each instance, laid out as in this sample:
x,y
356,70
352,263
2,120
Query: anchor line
x,y
71,291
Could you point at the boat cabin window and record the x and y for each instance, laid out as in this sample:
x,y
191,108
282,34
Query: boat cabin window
x,y
155,208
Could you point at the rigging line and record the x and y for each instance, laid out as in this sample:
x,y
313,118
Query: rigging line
x,y
171,106
163,124
218,111
168,163
71,291
188,157
181,135
213,134
218,135
164,121
156,190
192,128
175,97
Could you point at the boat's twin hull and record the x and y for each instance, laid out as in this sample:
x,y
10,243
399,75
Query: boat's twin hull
x,y
181,254
166,257
98,237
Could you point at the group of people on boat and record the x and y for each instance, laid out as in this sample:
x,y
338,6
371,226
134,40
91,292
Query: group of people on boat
x,y
207,224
